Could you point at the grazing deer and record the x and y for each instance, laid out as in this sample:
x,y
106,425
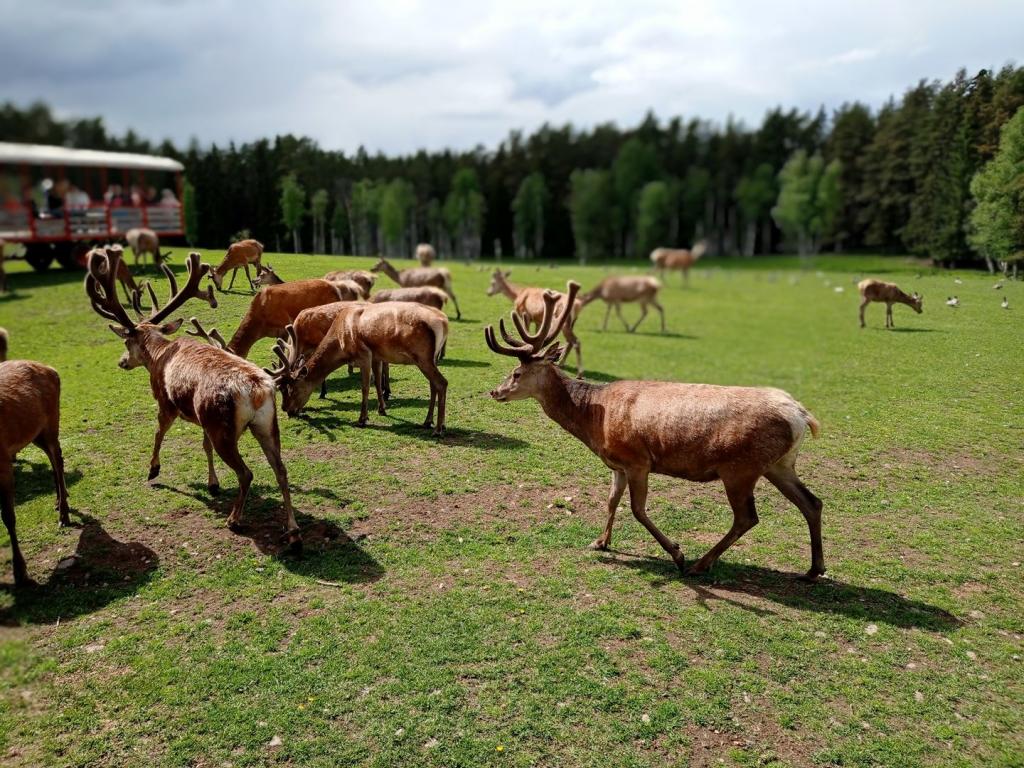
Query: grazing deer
x,y
696,432
529,302
29,413
677,258
364,279
425,254
202,384
143,241
615,291
273,308
439,277
239,255
265,275
356,281
427,295
368,335
875,290
124,276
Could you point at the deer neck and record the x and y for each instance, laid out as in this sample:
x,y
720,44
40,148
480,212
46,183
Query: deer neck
x,y
570,403
510,290
391,272
326,358
155,346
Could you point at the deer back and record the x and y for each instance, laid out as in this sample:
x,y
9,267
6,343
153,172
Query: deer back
x,y
29,403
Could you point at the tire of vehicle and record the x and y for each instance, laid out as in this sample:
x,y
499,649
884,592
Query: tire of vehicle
x,y
73,256
39,255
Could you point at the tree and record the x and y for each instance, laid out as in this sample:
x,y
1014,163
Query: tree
x,y
654,216
464,212
808,200
293,208
635,164
191,209
528,209
397,206
339,228
997,221
853,128
318,210
754,196
364,212
590,199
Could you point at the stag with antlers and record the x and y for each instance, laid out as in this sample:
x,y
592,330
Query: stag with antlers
x,y
201,383
695,432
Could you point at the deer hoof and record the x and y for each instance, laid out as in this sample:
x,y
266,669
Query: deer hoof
x,y
811,576
361,423
599,545
25,582
153,472
234,526
439,432
214,489
295,544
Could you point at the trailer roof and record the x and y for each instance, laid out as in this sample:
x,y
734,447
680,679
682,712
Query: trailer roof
x,y
41,154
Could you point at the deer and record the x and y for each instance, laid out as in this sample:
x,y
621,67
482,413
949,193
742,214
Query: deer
x,y
425,254
368,335
529,303
240,254
29,413
273,308
427,295
364,279
143,241
356,281
677,258
889,293
439,277
697,432
203,384
614,291
124,277
3,344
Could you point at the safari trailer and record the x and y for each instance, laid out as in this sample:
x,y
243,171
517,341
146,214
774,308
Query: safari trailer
x,y
59,202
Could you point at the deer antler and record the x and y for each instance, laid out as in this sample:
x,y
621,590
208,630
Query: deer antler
x,y
532,345
196,271
99,285
212,336
287,351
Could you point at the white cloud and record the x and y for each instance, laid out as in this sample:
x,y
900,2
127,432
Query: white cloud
x,y
405,74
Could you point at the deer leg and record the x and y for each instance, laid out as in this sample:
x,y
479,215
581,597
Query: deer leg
x,y
661,312
50,445
164,420
21,578
643,314
744,517
212,483
574,342
785,479
323,389
607,314
377,365
249,277
638,503
618,311
438,387
385,372
364,380
891,323
226,445
614,497
270,441
863,305
451,294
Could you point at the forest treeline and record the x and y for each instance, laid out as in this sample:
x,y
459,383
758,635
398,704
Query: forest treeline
x,y
896,179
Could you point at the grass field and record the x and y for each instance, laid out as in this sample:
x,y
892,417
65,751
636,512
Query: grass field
x,y
448,612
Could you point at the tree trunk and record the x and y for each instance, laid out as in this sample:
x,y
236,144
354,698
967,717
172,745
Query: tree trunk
x,y
296,245
749,238
766,236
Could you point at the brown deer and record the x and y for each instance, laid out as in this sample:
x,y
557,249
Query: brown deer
x,y
439,277
615,291
124,276
239,255
677,258
273,308
29,413
427,295
143,241
368,335
696,432
425,254
529,302
361,276
356,281
875,290
265,275
202,384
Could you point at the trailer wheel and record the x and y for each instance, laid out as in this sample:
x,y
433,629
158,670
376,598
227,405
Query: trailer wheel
x,y
72,255
39,255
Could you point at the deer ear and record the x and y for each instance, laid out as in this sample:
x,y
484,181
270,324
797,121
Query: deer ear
x,y
302,372
122,332
555,353
168,328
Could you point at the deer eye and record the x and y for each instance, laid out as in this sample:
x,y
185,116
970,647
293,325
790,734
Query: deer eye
x,y
516,375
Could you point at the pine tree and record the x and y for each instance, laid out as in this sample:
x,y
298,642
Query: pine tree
x,y
528,208
997,221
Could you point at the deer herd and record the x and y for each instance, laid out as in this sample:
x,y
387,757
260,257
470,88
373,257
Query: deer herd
x,y
696,432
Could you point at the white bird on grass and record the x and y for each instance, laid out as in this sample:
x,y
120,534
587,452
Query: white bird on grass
x,y
1006,303
958,281
997,286
952,301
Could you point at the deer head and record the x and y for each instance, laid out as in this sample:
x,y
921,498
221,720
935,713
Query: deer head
x,y
291,374
99,286
538,353
381,265
498,280
916,298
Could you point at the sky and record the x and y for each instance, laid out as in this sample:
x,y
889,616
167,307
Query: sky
x,y
401,75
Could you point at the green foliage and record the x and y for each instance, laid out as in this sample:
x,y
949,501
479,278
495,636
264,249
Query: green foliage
x,y
808,200
191,212
997,221
397,206
655,211
590,199
528,206
635,164
754,197
365,213
319,203
464,212
293,207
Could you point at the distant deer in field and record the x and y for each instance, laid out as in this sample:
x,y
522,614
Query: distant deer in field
x,y
529,302
364,279
239,255
615,291
203,384
124,276
368,335
29,413
889,293
143,241
355,280
678,258
696,432
425,254
265,275
439,277
273,308
427,295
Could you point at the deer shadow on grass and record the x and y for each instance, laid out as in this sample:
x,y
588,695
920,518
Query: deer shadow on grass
x,y
101,570
328,552
450,363
825,596
913,330
35,478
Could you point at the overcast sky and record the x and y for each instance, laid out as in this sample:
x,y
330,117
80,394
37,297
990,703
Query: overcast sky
x,y
399,75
